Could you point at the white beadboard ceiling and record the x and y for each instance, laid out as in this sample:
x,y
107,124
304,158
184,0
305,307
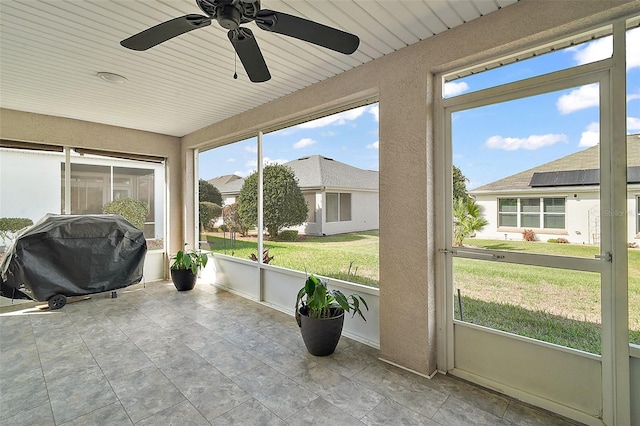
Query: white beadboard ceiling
x,y
51,50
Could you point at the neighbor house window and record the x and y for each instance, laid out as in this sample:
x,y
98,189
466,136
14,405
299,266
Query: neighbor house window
x,y
530,212
508,212
546,213
553,213
638,215
338,207
311,205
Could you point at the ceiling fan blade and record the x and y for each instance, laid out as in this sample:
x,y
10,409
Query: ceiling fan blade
x,y
303,29
250,55
165,31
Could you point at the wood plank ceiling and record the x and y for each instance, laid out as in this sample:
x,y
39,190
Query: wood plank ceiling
x,y
51,51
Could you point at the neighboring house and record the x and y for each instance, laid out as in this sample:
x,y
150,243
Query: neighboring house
x,y
341,198
221,181
558,199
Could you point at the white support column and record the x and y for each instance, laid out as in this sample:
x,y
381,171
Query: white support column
x,y
67,180
615,309
260,210
196,197
260,198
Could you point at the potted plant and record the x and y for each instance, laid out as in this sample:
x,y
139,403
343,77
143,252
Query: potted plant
x,y
320,315
185,266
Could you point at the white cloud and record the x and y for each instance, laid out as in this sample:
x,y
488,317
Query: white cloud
x,y
375,145
581,98
593,51
633,124
267,161
375,111
633,96
591,136
335,119
303,143
454,89
252,165
231,160
251,148
530,143
603,48
633,41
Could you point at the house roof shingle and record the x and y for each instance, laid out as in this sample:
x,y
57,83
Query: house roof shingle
x,y
582,160
316,171
223,180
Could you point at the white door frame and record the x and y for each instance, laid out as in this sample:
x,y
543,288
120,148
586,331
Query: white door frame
x,y
611,76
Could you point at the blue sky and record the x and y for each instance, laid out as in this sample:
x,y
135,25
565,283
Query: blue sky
x,y
489,143
350,137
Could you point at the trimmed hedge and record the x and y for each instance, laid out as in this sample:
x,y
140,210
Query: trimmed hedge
x,y
289,235
11,225
133,210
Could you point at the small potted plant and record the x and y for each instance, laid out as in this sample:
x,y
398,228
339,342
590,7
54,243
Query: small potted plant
x,y
320,315
185,266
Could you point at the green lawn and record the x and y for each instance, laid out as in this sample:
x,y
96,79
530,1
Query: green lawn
x,y
328,256
553,305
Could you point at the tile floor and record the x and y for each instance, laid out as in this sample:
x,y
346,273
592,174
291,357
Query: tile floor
x,y
153,356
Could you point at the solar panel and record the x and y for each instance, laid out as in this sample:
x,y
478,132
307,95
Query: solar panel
x,y
577,177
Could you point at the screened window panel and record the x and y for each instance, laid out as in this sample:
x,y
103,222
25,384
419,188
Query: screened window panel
x,y
638,216
310,199
554,221
554,205
332,207
506,205
345,207
530,205
530,221
505,219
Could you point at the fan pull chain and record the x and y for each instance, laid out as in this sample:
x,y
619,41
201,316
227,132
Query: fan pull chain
x,y
235,69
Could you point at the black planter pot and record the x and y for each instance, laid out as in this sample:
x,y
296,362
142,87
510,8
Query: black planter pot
x,y
321,335
183,279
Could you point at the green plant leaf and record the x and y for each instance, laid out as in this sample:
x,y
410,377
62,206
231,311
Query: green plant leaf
x,y
341,299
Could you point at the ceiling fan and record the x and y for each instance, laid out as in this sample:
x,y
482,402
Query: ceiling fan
x,y
230,14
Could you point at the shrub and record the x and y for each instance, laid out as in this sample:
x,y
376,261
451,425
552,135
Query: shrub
x,y
552,240
133,210
232,220
208,192
284,205
11,225
289,235
562,241
528,235
208,213
468,217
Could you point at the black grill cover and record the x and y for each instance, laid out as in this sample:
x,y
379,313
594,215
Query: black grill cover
x,y
73,256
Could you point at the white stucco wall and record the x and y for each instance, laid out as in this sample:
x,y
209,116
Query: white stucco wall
x,y
582,218
364,214
30,184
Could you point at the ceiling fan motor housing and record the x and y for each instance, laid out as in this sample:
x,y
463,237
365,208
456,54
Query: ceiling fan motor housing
x,y
230,13
229,17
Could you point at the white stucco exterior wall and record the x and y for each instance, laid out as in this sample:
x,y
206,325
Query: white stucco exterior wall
x,y
30,184
582,217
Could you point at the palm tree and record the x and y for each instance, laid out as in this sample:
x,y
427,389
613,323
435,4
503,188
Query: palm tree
x,y
467,218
